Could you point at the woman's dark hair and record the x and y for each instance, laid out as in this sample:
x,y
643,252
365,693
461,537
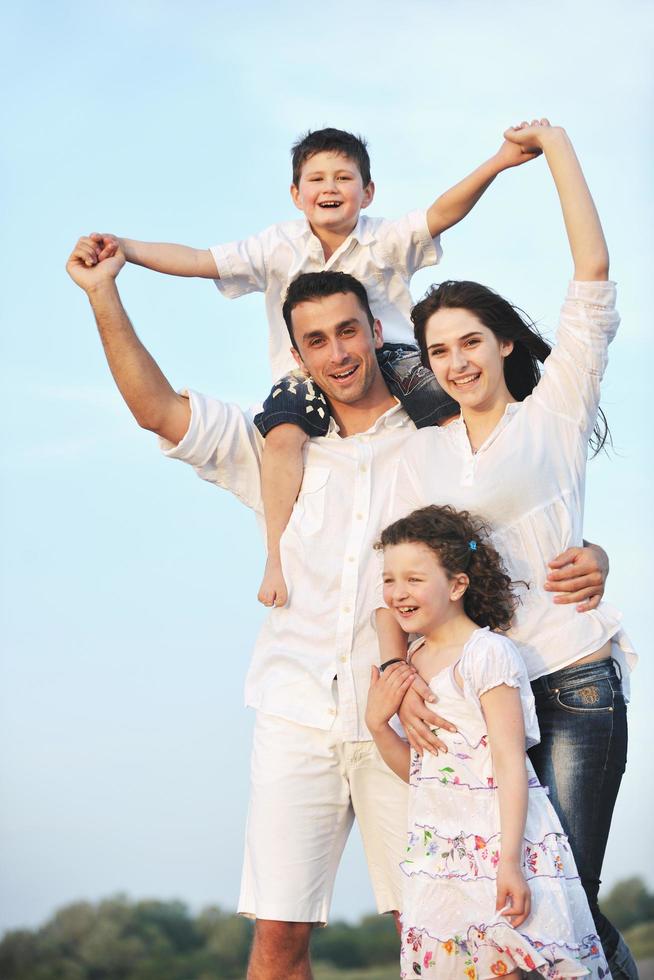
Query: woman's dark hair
x,y
508,322
459,541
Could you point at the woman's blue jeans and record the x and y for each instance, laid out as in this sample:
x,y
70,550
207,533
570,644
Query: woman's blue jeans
x,y
581,758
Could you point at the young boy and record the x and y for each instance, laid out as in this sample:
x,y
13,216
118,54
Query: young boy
x,y
331,186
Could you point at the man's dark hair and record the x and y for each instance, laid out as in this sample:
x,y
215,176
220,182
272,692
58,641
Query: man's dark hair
x,y
312,286
331,141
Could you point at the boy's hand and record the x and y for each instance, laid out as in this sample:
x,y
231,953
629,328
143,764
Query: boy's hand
x,y
512,154
84,269
530,137
386,693
107,244
512,891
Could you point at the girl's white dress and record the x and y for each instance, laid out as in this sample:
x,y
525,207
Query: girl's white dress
x,y
450,925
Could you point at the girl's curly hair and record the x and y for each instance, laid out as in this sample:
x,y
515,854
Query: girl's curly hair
x,y
459,541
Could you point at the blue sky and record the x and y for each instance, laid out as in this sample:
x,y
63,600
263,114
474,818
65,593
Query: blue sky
x,y
128,586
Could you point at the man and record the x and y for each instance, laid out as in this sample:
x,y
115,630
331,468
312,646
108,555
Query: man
x,y
314,765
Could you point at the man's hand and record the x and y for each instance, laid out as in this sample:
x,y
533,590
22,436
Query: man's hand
x,y
579,575
386,692
85,269
420,723
531,137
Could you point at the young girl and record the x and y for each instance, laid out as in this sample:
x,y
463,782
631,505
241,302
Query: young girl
x,y
491,887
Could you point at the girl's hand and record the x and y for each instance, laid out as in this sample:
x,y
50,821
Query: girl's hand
x,y
530,136
513,895
386,693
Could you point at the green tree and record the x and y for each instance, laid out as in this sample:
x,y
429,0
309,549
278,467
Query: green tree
x,y
628,903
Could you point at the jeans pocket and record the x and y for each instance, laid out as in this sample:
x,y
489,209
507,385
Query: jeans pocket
x,y
587,697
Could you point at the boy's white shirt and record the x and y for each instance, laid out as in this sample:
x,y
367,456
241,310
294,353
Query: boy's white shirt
x,y
380,253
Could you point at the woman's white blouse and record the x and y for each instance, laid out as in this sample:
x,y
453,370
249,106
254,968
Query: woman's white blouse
x,y
527,480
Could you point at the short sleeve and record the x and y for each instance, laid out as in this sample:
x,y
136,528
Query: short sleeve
x,y
223,446
490,660
407,243
241,266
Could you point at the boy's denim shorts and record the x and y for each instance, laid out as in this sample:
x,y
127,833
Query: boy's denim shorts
x,y
297,399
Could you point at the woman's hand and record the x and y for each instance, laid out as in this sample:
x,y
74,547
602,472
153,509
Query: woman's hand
x,y
420,723
513,895
386,692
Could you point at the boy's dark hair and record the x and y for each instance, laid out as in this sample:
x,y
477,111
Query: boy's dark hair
x,y
311,286
460,542
507,322
331,141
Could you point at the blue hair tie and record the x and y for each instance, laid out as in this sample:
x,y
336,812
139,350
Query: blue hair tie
x,y
472,545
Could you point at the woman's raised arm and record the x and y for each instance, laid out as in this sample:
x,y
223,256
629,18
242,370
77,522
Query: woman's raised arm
x,y
587,244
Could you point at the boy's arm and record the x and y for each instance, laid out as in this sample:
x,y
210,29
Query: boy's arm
x,y
174,260
455,203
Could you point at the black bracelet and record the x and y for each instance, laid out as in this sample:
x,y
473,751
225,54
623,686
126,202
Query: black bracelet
x,y
387,663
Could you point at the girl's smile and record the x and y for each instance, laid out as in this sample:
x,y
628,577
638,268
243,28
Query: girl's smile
x,y
418,590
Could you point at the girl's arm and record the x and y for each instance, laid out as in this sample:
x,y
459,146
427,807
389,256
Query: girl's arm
x,y
174,260
582,223
506,734
391,637
384,698
418,721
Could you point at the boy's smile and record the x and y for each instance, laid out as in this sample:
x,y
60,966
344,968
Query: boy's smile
x,y
331,194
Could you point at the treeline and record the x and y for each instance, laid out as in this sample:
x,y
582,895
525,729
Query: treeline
x,y
117,939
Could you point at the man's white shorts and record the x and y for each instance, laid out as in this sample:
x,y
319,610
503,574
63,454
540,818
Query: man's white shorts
x,y
307,785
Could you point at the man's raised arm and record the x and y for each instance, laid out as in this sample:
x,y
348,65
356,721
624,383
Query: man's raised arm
x,y
150,398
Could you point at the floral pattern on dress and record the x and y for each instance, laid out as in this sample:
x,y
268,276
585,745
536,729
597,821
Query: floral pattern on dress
x,y
496,950
469,856
454,848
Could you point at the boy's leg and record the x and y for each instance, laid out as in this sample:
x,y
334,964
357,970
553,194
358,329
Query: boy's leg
x,y
281,478
415,386
295,410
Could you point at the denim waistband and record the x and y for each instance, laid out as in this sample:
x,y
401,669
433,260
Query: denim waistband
x,y
581,673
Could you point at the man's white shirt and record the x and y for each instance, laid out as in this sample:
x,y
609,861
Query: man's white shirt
x,y
326,630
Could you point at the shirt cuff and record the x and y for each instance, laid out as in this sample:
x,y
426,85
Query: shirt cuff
x,y
601,293
431,246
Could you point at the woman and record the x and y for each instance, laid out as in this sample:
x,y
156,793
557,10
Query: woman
x,y
517,456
